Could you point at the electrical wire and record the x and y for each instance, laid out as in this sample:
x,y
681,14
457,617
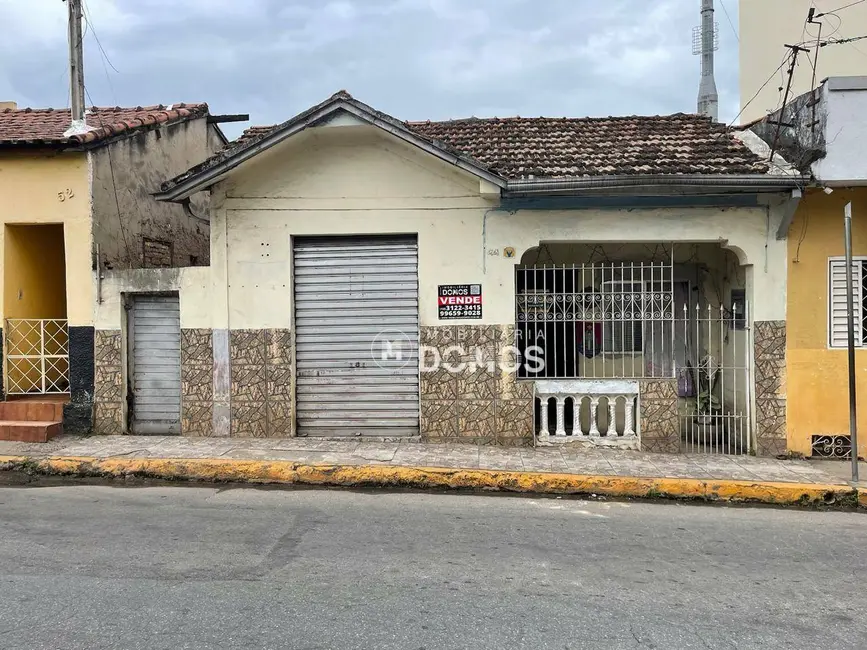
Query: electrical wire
x,y
731,24
88,22
113,182
761,88
851,4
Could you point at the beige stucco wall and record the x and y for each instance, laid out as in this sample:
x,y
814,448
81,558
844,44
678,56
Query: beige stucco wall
x,y
351,179
136,166
745,230
191,283
46,187
340,180
765,25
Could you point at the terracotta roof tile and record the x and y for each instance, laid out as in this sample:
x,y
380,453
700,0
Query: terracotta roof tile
x,y
561,147
545,147
47,125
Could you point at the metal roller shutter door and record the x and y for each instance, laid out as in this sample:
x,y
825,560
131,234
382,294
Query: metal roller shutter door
x,y
156,364
350,295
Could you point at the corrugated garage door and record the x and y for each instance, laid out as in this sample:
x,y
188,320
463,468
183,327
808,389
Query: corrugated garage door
x,y
356,336
155,359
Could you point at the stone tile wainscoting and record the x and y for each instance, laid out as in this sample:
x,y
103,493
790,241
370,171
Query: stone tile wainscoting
x,y
660,427
463,403
108,383
197,382
770,372
261,388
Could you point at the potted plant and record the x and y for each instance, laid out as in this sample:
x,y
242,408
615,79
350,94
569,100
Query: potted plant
x,y
707,405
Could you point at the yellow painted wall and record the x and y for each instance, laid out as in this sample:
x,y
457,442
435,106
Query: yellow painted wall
x,y
817,379
50,188
34,280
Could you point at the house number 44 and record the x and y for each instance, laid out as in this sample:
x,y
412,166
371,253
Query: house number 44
x,y
65,195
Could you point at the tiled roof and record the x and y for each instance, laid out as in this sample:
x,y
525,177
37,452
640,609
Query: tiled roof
x,y
47,125
250,134
545,147
557,147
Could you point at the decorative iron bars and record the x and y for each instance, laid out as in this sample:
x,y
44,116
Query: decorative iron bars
x,y
712,355
831,446
595,320
36,356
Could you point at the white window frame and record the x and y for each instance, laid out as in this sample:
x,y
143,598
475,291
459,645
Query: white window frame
x,y
858,299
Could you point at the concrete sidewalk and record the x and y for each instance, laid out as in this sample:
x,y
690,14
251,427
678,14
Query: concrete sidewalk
x,y
353,462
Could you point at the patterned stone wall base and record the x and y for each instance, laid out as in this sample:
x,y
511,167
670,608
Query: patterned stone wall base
x,y
660,427
108,383
261,389
770,370
462,401
197,382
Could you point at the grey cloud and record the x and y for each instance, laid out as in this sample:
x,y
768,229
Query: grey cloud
x,y
415,59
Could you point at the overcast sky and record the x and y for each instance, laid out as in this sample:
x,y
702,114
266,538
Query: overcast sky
x,y
413,59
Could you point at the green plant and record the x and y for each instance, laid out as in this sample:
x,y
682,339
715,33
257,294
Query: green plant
x,y
707,404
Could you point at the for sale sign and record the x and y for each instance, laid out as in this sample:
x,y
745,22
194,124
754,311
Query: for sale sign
x,y
460,301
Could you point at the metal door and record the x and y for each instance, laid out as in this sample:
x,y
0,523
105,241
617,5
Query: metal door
x,y
356,336
154,333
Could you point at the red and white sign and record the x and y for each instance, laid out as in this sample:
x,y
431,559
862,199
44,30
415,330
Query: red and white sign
x,y
460,301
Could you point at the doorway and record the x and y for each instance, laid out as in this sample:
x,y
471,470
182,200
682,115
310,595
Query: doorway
x,y
36,333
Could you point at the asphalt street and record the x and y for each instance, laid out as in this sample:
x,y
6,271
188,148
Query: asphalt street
x,y
158,567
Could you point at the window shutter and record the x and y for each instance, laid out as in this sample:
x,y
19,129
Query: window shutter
x,y
837,329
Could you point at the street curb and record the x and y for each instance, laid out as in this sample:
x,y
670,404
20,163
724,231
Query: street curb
x,y
262,472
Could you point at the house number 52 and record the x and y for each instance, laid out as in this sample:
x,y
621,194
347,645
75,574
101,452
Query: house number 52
x,y
65,194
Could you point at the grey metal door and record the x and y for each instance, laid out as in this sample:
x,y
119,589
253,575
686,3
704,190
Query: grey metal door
x,y
154,333
356,336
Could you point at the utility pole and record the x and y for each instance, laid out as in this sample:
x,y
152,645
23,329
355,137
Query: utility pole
x,y
76,63
850,340
795,49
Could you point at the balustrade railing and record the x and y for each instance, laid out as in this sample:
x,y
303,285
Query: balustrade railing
x,y
603,412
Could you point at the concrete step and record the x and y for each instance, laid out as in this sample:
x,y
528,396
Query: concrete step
x,y
32,411
28,431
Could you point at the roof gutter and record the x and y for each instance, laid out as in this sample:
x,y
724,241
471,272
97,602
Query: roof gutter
x,y
753,183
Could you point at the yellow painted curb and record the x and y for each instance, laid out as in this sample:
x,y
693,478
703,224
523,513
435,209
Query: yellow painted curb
x,y
291,473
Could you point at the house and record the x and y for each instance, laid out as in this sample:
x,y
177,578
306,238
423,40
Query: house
x,y
72,201
823,133
601,281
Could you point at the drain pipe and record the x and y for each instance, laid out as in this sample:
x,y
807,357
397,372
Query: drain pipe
x,y
188,210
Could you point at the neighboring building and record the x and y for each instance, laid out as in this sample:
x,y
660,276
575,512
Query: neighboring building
x,y
71,203
766,26
637,253
827,139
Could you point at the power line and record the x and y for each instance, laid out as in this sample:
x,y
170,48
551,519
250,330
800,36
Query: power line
x,y
88,22
840,41
851,4
767,81
113,186
726,12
